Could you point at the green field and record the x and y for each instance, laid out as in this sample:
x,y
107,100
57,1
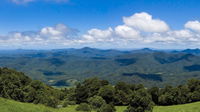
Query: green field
x,y
13,106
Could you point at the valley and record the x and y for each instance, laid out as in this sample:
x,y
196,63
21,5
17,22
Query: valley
x,y
66,67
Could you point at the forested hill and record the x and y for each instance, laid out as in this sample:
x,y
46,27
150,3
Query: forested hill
x,y
17,86
94,94
66,67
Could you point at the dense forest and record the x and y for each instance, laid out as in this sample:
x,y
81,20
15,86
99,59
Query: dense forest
x,y
95,94
66,67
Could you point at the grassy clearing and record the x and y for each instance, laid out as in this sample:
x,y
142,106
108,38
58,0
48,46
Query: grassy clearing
x,y
192,107
13,106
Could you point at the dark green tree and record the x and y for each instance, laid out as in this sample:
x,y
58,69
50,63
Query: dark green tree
x,y
107,108
140,102
84,107
96,102
107,93
154,92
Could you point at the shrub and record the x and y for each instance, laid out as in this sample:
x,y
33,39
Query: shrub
x,y
107,93
140,102
107,108
53,102
67,102
83,107
96,102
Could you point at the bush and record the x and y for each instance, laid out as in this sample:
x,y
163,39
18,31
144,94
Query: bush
x,y
96,102
140,102
83,107
107,108
53,102
15,85
67,102
107,93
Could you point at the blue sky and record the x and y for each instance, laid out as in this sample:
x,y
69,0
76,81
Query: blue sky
x,y
48,24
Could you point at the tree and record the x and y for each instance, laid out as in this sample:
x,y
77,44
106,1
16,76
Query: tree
x,y
140,102
123,87
107,93
81,94
83,107
194,85
88,88
52,102
121,98
174,95
15,85
107,108
93,85
96,102
154,92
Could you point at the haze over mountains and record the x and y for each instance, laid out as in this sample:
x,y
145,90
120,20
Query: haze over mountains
x,y
65,67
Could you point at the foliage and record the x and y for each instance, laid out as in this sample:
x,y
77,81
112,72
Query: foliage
x,y
151,68
140,102
107,93
15,85
88,88
107,108
96,102
95,92
83,107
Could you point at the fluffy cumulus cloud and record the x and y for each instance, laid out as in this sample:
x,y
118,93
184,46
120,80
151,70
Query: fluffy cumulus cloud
x,y
138,30
127,32
95,35
144,22
59,31
193,25
28,1
56,36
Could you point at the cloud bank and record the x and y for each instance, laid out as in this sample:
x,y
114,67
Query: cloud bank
x,y
137,31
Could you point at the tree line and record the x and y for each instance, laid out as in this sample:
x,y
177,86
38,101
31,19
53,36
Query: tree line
x,y
96,94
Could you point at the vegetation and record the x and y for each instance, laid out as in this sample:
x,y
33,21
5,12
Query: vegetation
x,y
95,94
96,102
106,108
66,67
15,85
84,107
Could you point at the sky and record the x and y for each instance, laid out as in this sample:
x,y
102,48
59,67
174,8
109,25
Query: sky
x,y
116,24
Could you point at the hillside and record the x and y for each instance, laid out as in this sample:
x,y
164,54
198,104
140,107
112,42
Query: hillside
x,y
91,94
66,67
13,106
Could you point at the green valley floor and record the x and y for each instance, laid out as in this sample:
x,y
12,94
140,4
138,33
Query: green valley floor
x,y
13,106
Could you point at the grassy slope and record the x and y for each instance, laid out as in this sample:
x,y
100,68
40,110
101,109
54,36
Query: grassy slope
x,y
13,106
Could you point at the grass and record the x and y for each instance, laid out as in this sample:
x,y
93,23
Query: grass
x,y
192,107
13,106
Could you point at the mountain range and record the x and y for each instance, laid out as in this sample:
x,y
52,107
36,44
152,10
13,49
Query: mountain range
x,y
66,67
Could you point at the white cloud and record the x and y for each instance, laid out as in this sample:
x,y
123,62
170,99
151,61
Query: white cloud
x,y
50,31
181,33
58,35
127,32
58,32
149,33
98,35
193,25
144,22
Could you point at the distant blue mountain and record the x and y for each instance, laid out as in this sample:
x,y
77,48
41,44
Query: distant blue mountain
x,y
148,66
